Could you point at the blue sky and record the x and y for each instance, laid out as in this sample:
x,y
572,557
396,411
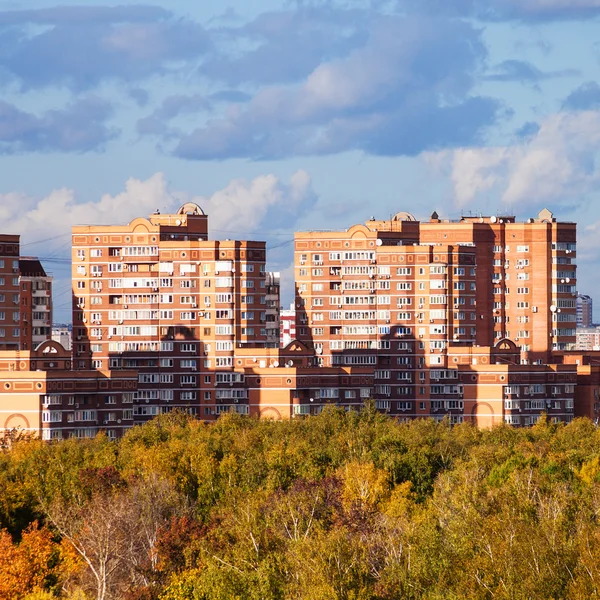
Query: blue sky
x,y
278,116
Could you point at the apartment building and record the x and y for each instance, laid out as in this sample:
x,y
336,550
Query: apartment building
x,y
25,298
400,297
373,297
157,295
587,390
35,303
10,325
62,335
526,284
588,338
42,395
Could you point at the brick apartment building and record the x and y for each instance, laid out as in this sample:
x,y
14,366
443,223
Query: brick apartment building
x,y
157,295
458,319
400,297
35,303
10,299
526,278
25,298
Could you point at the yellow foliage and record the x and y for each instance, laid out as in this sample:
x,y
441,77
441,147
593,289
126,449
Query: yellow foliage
x,y
364,484
589,470
401,501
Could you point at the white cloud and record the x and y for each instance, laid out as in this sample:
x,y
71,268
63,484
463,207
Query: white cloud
x,y
265,202
56,213
556,165
241,205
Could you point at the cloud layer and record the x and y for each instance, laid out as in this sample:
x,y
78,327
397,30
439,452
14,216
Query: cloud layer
x,y
79,127
78,47
404,89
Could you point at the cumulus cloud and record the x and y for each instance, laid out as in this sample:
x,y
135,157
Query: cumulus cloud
x,y
557,164
79,127
80,46
405,89
265,202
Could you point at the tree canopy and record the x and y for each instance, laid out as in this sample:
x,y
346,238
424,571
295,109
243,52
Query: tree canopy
x,y
343,505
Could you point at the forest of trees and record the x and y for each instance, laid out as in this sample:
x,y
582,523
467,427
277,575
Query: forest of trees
x,y
343,505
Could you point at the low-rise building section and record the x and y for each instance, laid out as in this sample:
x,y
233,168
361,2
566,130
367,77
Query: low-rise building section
x,y
41,394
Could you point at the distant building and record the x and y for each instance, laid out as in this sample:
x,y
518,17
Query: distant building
x,y
62,335
588,339
584,311
287,325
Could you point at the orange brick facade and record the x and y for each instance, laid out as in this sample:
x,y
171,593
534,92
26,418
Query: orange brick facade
x,y
468,320
42,395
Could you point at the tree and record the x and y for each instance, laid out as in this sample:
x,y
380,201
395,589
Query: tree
x,y
115,528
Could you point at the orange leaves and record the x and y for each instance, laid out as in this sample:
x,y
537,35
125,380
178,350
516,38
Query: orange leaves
x,y
36,563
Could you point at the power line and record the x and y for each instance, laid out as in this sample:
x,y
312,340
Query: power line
x,y
265,233
46,240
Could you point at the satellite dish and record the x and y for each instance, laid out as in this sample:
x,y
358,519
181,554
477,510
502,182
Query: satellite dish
x,y
552,308
568,280
319,351
379,242
289,363
178,222
493,219
276,363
